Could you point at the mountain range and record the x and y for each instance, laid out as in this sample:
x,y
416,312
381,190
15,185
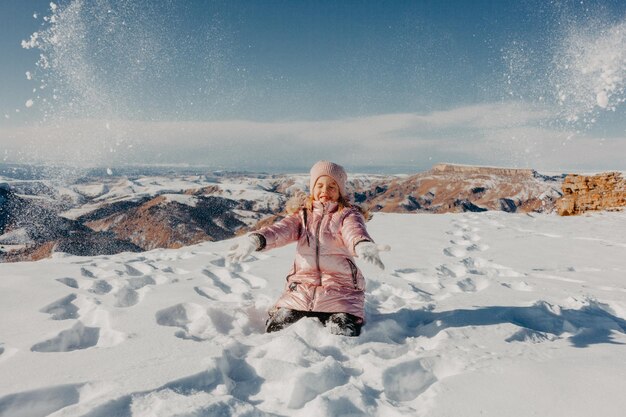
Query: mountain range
x,y
106,214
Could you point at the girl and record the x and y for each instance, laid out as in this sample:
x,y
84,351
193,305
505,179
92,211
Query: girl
x,y
324,281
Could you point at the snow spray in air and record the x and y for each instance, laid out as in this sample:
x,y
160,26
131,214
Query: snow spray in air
x,y
76,100
585,74
107,69
590,71
578,83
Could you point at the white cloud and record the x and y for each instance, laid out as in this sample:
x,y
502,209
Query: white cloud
x,y
487,116
509,134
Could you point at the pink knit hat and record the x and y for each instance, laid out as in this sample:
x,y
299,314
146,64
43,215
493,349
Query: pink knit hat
x,y
331,169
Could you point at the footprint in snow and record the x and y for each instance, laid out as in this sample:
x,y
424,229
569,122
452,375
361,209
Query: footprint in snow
x,y
455,252
415,276
214,294
457,233
176,271
190,317
252,280
219,262
137,260
40,402
76,338
453,270
507,272
314,381
461,242
478,266
460,226
100,287
87,273
62,309
472,237
222,388
472,284
407,380
139,282
196,322
126,297
217,282
231,282
138,269
518,286
208,292
390,298
481,247
93,270
70,282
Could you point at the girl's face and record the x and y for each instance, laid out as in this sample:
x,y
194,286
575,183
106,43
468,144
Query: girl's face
x,y
326,190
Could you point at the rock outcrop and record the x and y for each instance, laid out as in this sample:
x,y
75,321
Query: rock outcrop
x,y
457,188
582,193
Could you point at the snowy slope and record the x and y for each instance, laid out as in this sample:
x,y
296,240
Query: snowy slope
x,y
486,314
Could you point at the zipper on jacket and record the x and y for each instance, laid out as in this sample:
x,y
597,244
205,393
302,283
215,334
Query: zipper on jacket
x,y
294,285
304,226
354,271
317,244
317,255
293,273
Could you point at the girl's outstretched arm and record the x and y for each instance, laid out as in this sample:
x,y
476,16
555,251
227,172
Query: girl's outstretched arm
x,y
280,233
353,230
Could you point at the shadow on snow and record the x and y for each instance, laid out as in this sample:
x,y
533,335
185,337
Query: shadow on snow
x,y
588,325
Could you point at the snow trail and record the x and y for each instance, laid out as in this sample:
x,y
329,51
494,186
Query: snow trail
x,y
181,332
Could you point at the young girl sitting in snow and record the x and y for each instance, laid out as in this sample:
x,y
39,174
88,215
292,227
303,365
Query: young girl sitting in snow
x,y
324,281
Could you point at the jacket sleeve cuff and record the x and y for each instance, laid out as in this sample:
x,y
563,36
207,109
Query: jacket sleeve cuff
x,y
357,242
259,240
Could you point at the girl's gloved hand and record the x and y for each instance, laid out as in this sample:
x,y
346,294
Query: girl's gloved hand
x,y
370,252
242,249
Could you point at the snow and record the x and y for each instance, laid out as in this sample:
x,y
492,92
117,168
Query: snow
x,y
91,190
485,314
591,69
602,99
16,237
188,200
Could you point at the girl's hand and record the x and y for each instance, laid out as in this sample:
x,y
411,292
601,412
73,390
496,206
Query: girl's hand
x,y
370,252
242,249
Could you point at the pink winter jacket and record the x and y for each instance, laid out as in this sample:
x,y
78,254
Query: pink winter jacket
x,y
324,277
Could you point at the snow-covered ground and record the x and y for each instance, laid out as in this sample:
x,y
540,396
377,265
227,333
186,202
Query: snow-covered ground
x,y
488,314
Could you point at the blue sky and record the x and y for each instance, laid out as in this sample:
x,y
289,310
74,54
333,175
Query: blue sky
x,y
275,85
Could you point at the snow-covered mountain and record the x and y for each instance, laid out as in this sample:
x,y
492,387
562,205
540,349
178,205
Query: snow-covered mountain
x,y
106,215
476,314
448,188
129,214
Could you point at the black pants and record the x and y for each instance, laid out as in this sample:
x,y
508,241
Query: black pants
x,y
343,324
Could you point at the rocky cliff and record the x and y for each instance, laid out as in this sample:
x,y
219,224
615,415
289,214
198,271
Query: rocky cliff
x,y
583,193
457,188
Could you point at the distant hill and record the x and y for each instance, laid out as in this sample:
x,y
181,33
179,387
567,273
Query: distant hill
x,y
105,214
